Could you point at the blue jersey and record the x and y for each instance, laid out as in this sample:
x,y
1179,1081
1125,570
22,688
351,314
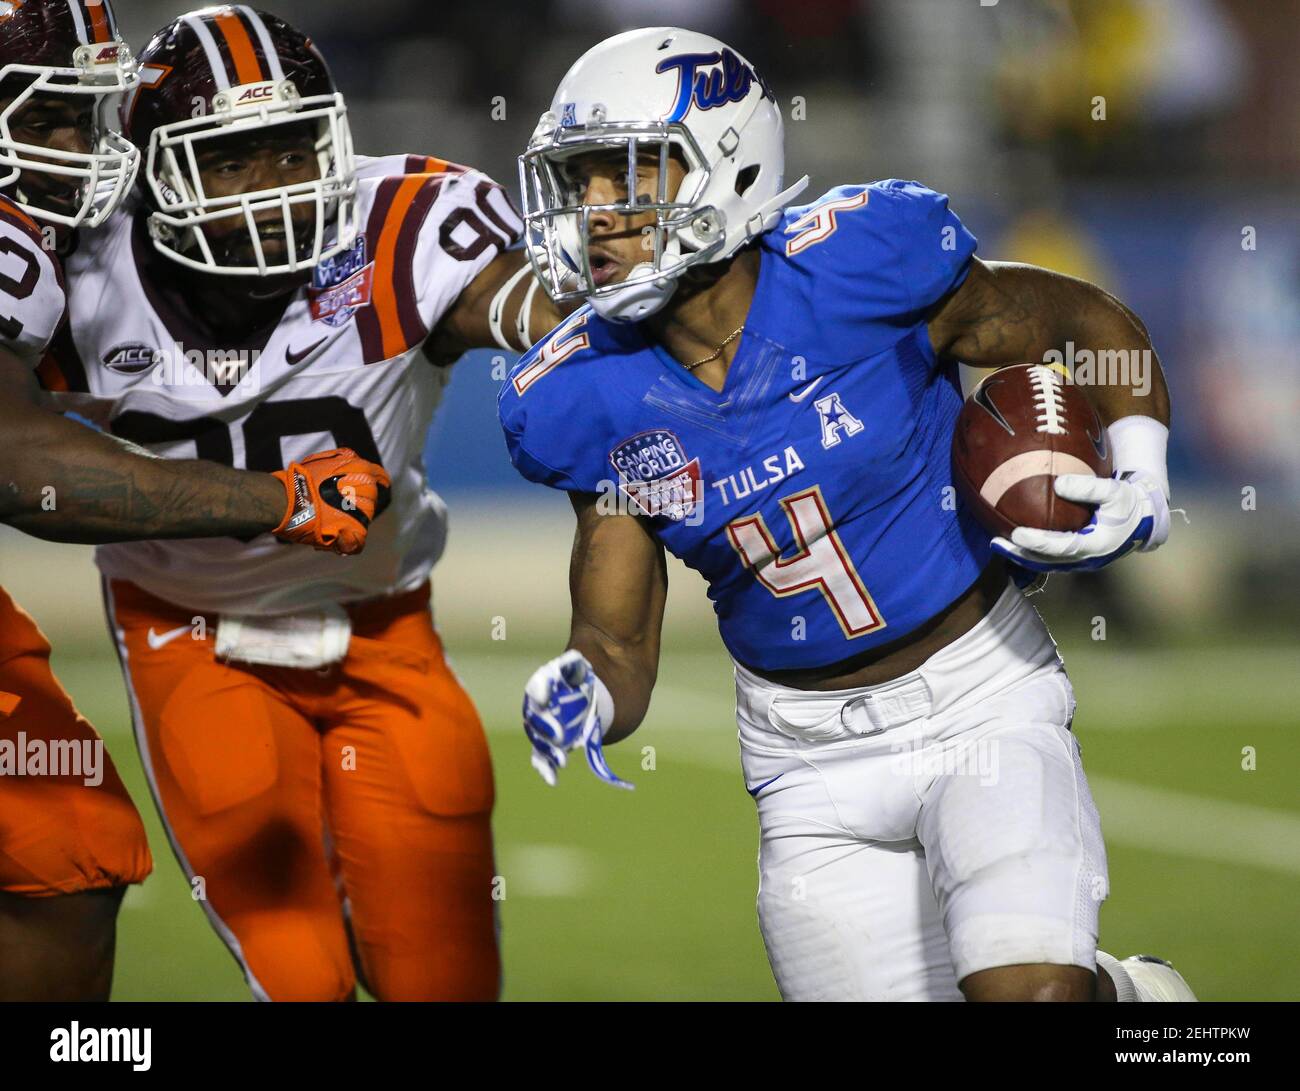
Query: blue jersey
x,y
814,492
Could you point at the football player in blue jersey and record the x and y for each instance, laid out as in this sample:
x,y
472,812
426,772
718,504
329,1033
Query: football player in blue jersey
x,y
769,393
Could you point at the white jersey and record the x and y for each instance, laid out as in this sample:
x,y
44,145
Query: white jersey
x,y
342,368
32,301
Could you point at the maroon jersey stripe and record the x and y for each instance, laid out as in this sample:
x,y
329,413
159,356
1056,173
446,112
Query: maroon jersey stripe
x,y
408,309
372,337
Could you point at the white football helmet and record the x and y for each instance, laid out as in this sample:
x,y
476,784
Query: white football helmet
x,y
660,90
66,49
227,72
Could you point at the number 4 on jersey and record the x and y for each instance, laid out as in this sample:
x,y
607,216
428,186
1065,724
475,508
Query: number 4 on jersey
x,y
819,223
821,563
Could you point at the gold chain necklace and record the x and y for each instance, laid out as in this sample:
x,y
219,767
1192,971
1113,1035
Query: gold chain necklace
x,y
716,352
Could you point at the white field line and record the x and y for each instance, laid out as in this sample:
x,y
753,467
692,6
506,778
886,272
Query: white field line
x,y
547,871
1116,690
1197,827
1134,815
695,725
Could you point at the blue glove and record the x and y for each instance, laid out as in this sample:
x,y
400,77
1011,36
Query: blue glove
x,y
567,706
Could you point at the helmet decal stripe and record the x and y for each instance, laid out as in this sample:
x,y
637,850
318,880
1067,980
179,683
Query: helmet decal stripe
x,y
271,57
79,20
112,18
215,61
100,28
248,69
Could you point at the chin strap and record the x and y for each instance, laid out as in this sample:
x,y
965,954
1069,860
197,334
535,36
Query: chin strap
x,y
634,302
757,223
639,301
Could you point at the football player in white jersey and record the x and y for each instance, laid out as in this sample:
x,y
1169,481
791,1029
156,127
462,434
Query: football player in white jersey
x,y
320,771
69,845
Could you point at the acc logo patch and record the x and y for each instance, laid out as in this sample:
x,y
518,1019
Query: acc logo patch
x,y
655,474
255,93
131,358
341,285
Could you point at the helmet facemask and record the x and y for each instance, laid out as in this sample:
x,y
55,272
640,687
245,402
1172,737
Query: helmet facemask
x,y
557,223
657,88
183,207
105,175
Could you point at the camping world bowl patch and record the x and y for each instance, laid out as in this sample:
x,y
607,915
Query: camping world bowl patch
x,y
341,285
656,475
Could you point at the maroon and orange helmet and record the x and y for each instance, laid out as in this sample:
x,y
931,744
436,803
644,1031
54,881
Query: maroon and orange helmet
x,y
64,48
214,74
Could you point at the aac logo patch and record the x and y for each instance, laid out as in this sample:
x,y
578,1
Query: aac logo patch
x,y
836,418
656,475
341,285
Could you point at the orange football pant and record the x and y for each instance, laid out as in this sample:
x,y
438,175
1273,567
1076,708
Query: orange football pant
x,y
64,828
317,812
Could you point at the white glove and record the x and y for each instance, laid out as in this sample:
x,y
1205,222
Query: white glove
x,y
567,706
1132,513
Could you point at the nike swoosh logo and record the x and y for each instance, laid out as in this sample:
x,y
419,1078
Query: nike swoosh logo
x,y
157,640
984,399
1099,443
806,390
754,791
299,357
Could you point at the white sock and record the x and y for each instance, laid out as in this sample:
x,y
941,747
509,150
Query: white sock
x,y
1125,991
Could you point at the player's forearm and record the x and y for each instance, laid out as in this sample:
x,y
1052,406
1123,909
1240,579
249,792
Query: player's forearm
x,y
628,669
1010,314
1112,351
64,482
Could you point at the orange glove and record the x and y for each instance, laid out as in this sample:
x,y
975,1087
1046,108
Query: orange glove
x,y
332,497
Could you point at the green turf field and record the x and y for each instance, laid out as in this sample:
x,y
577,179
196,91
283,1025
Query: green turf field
x,y
650,894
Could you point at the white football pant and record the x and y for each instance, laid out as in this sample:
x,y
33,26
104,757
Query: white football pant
x,y
918,831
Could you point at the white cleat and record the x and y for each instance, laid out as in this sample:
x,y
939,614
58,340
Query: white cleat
x,y
1156,980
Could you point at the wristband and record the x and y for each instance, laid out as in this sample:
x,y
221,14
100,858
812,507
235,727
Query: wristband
x,y
603,702
524,321
1141,444
497,308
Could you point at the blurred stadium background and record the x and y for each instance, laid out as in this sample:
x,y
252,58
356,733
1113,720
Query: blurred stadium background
x,y
1182,201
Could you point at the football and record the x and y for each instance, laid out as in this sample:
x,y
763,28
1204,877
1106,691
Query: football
x,y
1021,427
